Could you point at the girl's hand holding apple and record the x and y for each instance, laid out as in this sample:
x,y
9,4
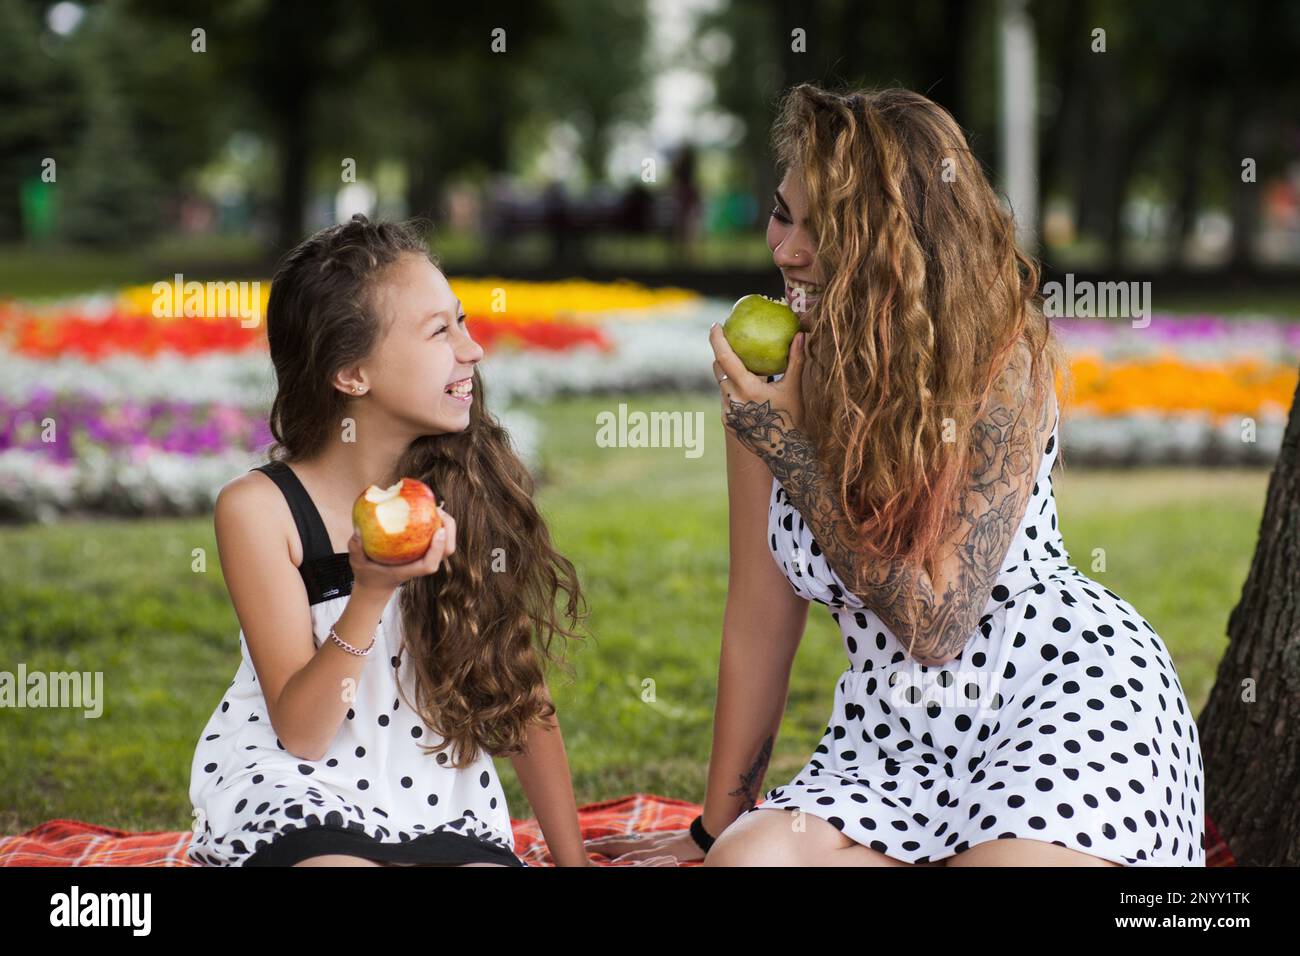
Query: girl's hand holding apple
x,y
399,533
369,573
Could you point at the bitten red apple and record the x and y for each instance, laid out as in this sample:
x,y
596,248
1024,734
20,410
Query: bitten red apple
x,y
396,523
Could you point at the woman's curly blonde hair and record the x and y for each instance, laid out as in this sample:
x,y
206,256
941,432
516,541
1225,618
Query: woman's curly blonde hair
x,y
926,296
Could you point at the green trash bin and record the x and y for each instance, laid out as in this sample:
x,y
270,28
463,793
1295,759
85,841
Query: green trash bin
x,y
39,202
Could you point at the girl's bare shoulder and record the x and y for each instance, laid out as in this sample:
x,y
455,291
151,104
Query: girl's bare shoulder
x,y
252,506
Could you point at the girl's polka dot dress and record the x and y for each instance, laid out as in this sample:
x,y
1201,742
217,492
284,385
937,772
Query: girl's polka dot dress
x,y
374,793
1063,719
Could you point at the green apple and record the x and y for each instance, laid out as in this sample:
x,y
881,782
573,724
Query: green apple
x,y
760,331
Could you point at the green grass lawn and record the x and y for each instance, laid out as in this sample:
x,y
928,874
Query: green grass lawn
x,y
646,529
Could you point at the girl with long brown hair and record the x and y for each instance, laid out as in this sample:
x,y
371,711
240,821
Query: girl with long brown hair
x,y
370,699
999,707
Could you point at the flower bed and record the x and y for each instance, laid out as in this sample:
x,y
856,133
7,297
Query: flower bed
x,y
105,406
1185,389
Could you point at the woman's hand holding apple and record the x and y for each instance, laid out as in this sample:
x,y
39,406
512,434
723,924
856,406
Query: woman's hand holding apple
x,y
751,405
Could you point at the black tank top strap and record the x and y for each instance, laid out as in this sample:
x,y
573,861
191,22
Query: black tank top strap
x,y
325,573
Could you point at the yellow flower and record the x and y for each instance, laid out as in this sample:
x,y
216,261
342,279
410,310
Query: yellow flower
x,y
570,300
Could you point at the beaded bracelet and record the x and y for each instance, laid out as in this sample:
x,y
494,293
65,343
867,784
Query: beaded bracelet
x,y
334,636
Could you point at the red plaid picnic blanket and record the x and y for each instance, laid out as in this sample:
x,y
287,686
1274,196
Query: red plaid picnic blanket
x,y
73,843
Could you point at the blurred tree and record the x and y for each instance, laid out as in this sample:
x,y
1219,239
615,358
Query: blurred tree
x,y
747,83
111,193
447,108
1176,102
179,109
38,87
927,46
139,129
465,108
592,72
1261,92
276,61
121,127
330,80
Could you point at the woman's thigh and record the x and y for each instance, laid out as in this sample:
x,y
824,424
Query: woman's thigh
x,y
343,859
1018,852
336,859
477,863
779,837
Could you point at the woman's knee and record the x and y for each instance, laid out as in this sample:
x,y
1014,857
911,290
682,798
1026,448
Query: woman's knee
x,y
780,837
752,839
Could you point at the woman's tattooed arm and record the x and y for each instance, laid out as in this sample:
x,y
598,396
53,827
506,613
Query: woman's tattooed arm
x,y
936,617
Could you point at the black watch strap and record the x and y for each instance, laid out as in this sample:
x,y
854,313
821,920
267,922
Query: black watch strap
x,y
700,835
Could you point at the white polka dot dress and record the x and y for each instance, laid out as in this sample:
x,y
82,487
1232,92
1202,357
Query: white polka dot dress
x,y
374,793
1062,720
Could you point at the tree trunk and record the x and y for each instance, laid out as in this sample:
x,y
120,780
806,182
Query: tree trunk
x,y
294,153
1250,727
11,213
1136,138
1244,202
422,189
943,56
1091,165
1063,136
1189,191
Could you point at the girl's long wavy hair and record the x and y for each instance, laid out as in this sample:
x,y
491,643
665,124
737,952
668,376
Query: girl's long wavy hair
x,y
480,629
926,295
